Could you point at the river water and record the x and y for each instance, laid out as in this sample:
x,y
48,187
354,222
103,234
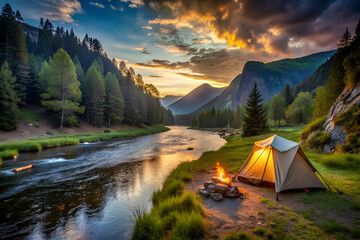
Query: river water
x,y
90,191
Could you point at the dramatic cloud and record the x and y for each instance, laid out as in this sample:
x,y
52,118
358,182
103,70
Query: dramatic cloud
x,y
143,50
281,27
97,4
60,10
146,27
209,64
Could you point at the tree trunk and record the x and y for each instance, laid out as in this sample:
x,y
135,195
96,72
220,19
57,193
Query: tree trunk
x,y
109,120
62,106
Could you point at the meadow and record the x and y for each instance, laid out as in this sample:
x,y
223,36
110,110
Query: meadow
x,y
178,214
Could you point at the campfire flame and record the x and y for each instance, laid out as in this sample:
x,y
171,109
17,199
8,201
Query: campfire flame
x,y
220,173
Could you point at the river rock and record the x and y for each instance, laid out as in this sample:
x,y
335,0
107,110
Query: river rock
x,y
210,190
208,183
217,197
204,193
217,180
221,188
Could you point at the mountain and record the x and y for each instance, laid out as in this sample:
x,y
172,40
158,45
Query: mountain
x,y
270,77
169,99
318,78
195,99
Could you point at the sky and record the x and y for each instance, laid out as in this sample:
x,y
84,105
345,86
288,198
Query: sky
x,y
178,45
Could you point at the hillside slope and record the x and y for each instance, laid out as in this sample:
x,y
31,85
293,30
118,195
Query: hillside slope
x,y
195,99
168,100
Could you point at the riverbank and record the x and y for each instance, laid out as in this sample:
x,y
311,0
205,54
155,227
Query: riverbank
x,y
11,149
179,212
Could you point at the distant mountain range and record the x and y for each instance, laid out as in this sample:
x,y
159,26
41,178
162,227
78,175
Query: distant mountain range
x,y
195,99
169,99
271,78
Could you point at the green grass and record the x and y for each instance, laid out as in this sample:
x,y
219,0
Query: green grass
x,y
315,125
35,145
282,222
6,154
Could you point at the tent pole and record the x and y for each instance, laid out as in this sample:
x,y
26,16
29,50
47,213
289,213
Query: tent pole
x,y
250,166
277,196
265,167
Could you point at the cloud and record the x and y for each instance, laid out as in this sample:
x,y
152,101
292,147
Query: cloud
x,y
117,9
138,2
97,4
218,65
133,5
276,26
142,49
58,10
146,27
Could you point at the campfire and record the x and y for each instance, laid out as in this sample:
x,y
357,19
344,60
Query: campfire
x,y
220,186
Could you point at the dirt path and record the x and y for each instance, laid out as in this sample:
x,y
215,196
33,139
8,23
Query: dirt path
x,y
241,215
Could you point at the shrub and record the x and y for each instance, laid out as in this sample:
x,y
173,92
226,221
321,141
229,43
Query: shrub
x,y
313,126
318,140
238,236
107,131
189,226
260,231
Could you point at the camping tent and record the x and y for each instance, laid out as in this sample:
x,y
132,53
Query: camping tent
x,y
282,162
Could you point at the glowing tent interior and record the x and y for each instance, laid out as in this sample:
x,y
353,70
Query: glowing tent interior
x,y
281,162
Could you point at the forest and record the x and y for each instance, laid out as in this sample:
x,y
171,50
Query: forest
x,y
73,79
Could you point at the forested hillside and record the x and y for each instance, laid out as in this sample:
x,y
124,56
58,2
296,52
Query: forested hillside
x,y
74,79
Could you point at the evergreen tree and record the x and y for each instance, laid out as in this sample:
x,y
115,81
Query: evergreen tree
x,y
114,102
18,16
129,91
95,96
8,99
255,121
286,94
32,86
62,92
277,108
13,49
345,40
41,24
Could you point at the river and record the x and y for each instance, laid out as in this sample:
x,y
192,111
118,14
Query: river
x,y
90,191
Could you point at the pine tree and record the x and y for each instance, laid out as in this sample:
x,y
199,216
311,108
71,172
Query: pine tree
x,y
320,108
346,39
95,96
13,49
255,121
114,102
18,16
286,94
8,99
62,91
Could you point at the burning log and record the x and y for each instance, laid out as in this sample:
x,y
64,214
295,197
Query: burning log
x,y
23,168
220,186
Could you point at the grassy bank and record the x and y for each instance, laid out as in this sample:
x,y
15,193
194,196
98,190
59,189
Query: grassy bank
x,y
177,214
11,149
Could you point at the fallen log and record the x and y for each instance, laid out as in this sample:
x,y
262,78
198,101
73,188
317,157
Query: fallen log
x,y
23,168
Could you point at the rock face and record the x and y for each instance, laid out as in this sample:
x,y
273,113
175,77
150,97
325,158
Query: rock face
x,y
346,100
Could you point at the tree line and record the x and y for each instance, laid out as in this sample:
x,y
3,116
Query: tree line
x,y
73,79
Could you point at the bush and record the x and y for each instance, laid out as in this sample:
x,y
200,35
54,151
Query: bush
x,y
313,126
189,226
107,131
260,231
238,236
318,140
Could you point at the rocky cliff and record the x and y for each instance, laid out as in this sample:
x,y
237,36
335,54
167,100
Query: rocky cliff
x,y
349,98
